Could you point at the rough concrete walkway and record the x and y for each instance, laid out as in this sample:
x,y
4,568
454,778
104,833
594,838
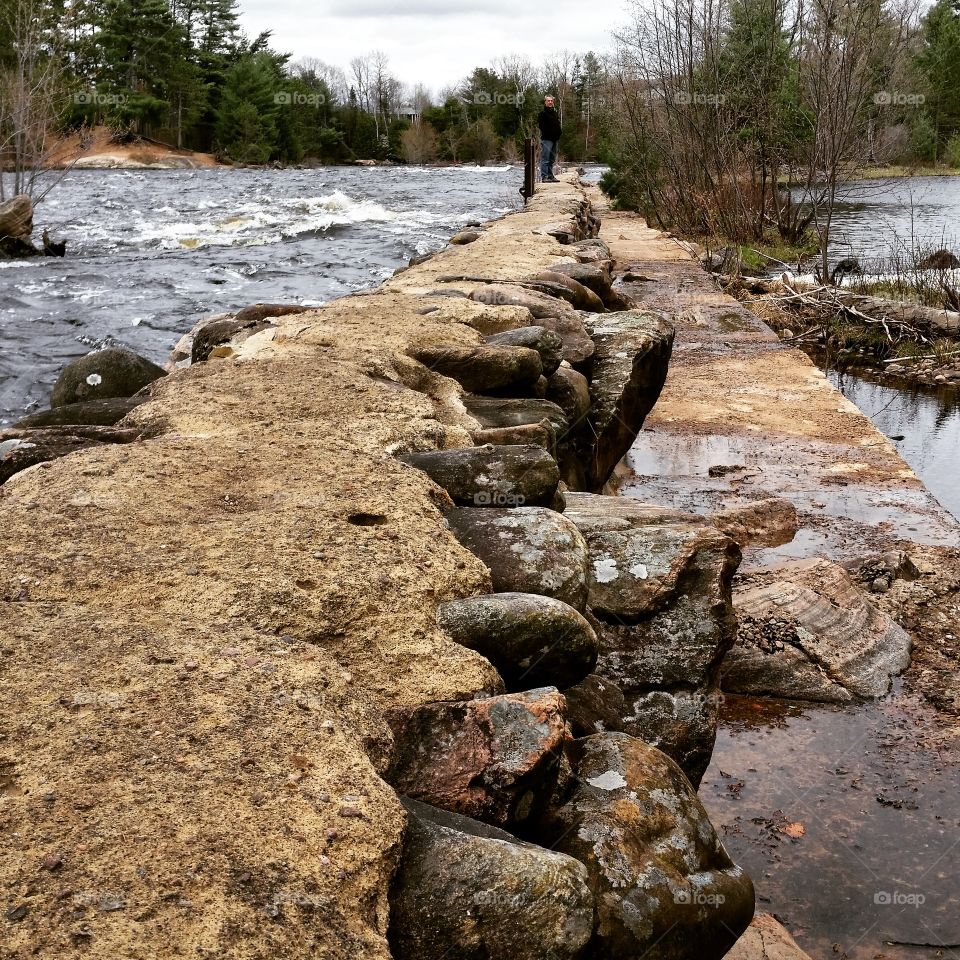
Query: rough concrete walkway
x,y
762,416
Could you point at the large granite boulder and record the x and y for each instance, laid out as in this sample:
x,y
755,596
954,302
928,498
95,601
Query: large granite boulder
x,y
527,549
532,640
482,368
496,412
769,522
89,413
628,370
807,632
16,219
491,476
665,888
578,295
495,760
114,372
465,890
660,587
547,343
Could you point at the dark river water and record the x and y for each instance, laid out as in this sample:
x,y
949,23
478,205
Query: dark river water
x,y
151,252
876,216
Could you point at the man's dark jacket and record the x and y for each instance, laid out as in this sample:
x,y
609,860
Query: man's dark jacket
x,y
549,123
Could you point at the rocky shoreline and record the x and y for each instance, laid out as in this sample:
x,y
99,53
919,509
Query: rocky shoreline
x,y
333,640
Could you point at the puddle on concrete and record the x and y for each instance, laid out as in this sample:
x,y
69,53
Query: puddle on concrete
x,y
848,820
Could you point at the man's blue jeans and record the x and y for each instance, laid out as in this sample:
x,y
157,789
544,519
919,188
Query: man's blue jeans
x,y
548,153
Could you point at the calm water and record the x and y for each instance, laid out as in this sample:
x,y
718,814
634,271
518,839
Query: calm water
x,y
874,214
151,252
925,425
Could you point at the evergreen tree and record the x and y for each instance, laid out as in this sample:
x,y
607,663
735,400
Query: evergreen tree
x,y
247,124
939,64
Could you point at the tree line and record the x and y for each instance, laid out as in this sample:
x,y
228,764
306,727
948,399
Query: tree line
x,y
183,72
744,119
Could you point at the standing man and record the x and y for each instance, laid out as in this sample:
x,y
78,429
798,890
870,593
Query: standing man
x,y
549,123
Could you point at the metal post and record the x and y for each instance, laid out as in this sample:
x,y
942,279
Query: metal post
x,y
529,168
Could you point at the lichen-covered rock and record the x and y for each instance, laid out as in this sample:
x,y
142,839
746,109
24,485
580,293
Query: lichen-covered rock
x,y
664,885
547,343
527,549
466,890
595,705
495,760
532,640
660,585
114,372
629,367
482,368
492,412
578,345
250,320
491,476
809,633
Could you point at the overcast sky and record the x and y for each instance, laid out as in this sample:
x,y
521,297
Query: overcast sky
x,y
433,42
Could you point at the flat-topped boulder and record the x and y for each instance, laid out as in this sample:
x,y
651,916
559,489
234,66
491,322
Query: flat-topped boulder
x,y
495,412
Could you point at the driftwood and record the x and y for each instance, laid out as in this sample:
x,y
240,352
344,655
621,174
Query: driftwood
x,y
921,321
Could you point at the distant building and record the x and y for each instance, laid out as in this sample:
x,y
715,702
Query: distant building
x,y
408,112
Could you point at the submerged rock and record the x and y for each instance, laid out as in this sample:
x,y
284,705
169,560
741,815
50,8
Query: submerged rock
x,y
766,939
491,476
629,368
114,372
527,549
495,760
808,633
531,640
661,878
765,523
547,343
482,368
466,890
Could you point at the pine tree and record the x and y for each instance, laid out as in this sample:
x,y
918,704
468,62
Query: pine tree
x,y
247,129
939,64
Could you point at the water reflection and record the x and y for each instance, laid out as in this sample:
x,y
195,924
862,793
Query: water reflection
x,y
928,423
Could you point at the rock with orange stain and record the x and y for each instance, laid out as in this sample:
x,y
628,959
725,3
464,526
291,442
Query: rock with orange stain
x,y
495,760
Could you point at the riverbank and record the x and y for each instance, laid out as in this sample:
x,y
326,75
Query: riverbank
x,y
335,563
